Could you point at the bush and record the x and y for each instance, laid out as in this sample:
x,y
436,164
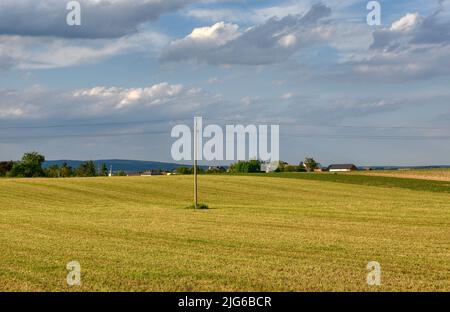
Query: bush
x,y
188,170
5,166
184,170
251,166
291,168
199,206
86,169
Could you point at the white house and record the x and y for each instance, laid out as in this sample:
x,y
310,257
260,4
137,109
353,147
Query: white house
x,y
342,168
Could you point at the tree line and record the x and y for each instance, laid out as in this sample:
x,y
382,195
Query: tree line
x,y
254,166
30,166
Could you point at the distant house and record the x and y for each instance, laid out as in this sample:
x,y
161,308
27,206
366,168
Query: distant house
x,y
342,168
132,174
149,173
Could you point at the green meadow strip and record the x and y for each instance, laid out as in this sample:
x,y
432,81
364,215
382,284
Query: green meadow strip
x,y
390,182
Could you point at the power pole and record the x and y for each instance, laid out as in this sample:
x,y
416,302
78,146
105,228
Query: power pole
x,y
195,162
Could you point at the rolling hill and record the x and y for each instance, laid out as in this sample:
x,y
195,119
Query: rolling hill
x,y
121,164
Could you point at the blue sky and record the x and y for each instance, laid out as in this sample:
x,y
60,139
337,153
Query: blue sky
x,y
341,90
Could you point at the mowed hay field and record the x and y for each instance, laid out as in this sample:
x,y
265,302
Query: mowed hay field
x,y
261,234
425,174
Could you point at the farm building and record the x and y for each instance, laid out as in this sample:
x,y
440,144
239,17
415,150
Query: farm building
x,y
342,168
150,173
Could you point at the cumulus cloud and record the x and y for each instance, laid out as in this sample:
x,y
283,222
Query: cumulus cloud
x,y
270,42
122,98
200,41
27,52
406,23
414,29
35,35
160,99
100,19
400,33
412,47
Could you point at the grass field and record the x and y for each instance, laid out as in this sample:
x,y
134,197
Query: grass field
x,y
362,179
265,233
423,174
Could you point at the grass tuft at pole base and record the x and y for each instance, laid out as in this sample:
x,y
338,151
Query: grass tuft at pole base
x,y
199,206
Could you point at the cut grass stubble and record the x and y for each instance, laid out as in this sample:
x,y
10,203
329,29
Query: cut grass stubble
x,y
264,234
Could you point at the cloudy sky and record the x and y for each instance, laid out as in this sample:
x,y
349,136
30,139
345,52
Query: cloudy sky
x,y
341,90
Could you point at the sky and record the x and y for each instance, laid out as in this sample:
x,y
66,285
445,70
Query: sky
x,y
341,90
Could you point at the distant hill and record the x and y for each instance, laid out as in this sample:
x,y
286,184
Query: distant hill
x,y
120,164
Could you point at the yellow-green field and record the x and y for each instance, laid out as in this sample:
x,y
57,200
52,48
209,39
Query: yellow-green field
x,y
261,234
424,174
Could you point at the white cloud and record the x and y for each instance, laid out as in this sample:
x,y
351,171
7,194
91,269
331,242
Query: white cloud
x,y
271,42
162,99
406,23
216,35
39,53
413,47
288,41
287,96
121,98
200,41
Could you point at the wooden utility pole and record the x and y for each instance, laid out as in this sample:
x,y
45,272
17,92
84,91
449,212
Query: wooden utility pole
x,y
195,162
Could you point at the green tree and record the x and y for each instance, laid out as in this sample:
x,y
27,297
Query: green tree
x,y
310,164
86,169
5,167
281,166
290,168
66,171
53,171
104,170
33,164
17,170
29,166
188,170
184,170
242,166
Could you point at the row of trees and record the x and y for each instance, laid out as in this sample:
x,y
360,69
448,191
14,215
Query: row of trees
x,y
31,166
251,166
190,170
254,166
309,164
